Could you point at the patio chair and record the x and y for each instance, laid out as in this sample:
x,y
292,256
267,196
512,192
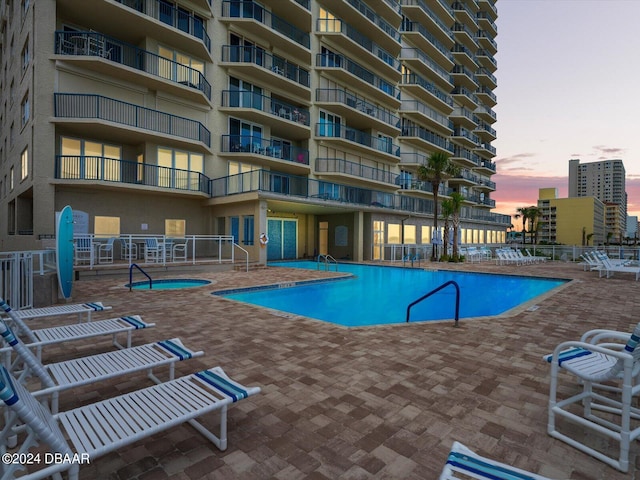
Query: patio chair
x,y
105,251
83,250
593,363
153,250
100,428
609,268
83,310
128,249
60,376
469,464
179,251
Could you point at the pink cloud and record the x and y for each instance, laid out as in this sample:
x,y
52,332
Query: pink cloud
x,y
515,191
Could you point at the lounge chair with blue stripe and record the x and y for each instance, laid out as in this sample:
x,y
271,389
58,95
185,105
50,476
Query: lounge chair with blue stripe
x,y
608,361
57,377
83,310
37,339
103,427
463,463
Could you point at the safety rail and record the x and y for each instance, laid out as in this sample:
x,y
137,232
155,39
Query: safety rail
x,y
435,290
328,260
246,255
141,271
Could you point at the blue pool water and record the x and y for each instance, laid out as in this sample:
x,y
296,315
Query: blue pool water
x,y
169,284
380,295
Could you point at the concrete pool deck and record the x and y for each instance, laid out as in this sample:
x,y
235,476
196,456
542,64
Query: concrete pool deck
x,y
358,403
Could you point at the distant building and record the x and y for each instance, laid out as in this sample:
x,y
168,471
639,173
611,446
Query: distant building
x,y
570,221
604,180
632,227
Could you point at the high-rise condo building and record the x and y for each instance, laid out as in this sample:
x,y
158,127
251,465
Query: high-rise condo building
x,y
305,120
604,180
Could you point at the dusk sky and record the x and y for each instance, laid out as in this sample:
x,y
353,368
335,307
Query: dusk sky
x,y
568,87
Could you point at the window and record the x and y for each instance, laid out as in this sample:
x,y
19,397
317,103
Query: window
x,y
106,226
241,179
24,108
11,179
245,136
12,90
393,233
245,94
179,169
175,228
329,125
179,67
248,231
330,58
327,22
409,234
25,55
24,164
87,160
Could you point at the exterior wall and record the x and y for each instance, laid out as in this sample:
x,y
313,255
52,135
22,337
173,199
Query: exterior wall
x,y
574,214
442,101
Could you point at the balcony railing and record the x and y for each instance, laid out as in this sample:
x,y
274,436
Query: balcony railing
x,y
336,95
467,93
249,9
71,105
409,26
80,167
416,105
260,57
345,63
415,79
427,136
336,130
416,53
334,25
274,148
173,16
460,152
487,164
429,12
339,165
246,99
464,133
114,50
376,19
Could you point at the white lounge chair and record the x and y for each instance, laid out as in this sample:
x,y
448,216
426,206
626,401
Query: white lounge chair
x,y
60,376
83,310
608,413
97,429
463,463
609,268
37,339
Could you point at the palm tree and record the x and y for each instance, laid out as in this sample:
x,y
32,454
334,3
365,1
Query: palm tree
x,y
456,205
523,212
434,171
447,211
534,214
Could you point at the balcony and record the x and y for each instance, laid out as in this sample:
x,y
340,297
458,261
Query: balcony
x,y
111,56
425,139
259,65
464,117
423,114
272,153
418,11
284,119
486,184
418,61
464,77
464,56
356,139
465,97
486,78
485,132
486,114
339,167
465,158
485,58
359,112
465,178
464,15
274,30
485,40
428,43
418,87
486,22
175,17
365,19
115,171
127,121
486,167
356,44
464,35
485,149
347,71
412,159
464,137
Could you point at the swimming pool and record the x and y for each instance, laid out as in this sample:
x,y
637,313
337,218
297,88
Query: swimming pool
x,y
377,295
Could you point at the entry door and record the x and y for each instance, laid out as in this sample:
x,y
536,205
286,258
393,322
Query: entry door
x,y
283,239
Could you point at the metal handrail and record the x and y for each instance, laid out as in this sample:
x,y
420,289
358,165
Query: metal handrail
x,y
445,284
327,260
143,272
246,254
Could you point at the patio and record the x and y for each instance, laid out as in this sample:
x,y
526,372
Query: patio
x,y
375,402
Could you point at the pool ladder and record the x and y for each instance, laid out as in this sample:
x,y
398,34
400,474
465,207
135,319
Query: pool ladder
x,y
327,260
142,271
435,290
